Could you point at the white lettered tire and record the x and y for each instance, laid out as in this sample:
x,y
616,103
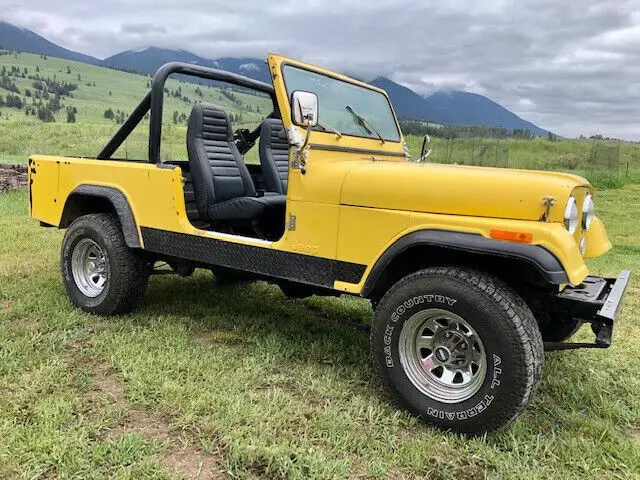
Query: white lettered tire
x,y
458,348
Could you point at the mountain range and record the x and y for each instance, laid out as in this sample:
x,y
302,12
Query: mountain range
x,y
446,108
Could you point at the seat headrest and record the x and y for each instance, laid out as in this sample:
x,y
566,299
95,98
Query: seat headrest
x,y
210,122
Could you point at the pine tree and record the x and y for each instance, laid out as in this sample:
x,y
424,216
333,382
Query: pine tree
x,y
71,114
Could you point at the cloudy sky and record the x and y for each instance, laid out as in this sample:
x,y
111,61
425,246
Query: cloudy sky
x,y
571,66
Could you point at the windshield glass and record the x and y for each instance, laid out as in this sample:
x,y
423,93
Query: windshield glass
x,y
334,96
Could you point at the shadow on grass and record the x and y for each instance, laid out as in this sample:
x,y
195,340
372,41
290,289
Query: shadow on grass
x,y
324,330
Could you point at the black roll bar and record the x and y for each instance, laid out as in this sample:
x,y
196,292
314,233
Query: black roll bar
x,y
153,102
126,128
157,94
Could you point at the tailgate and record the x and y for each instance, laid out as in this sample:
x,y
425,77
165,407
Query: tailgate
x,y
44,175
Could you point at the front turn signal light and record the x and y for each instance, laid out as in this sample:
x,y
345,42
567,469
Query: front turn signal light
x,y
509,236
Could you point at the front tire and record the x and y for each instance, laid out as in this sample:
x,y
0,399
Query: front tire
x,y
457,348
101,273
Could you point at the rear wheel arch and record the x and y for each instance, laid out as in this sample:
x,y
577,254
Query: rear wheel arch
x,y
514,262
86,199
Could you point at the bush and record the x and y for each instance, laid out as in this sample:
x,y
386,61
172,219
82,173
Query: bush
x,y
8,84
54,104
108,113
13,101
46,115
71,114
53,86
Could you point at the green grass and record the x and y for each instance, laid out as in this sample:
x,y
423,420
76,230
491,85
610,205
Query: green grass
x,y
266,387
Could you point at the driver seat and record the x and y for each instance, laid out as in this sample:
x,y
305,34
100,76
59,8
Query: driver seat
x,y
223,188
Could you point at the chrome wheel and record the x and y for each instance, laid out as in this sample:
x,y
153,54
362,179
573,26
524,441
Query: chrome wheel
x,y
442,355
89,267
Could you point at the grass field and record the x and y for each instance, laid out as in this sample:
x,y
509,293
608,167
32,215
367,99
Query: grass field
x,y
204,377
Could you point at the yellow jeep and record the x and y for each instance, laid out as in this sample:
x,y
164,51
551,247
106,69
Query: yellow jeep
x,y
472,272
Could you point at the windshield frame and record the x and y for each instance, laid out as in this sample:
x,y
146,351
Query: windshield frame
x,y
350,81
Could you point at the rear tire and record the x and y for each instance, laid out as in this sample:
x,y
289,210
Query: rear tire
x,y
458,348
101,273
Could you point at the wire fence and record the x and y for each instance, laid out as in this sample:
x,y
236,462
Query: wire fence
x,y
604,159
600,159
475,151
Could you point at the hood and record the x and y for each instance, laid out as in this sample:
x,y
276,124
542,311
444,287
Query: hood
x,y
458,189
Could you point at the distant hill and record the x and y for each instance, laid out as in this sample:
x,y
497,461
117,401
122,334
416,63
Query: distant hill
x,y
408,104
148,60
16,38
466,108
448,108
250,67
452,108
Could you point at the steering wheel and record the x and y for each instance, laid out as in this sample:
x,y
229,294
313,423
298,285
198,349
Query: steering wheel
x,y
242,137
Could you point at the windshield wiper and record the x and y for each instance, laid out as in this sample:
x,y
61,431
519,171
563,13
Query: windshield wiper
x,y
326,128
364,123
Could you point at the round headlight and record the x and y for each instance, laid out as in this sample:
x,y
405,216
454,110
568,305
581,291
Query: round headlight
x,y
571,216
588,212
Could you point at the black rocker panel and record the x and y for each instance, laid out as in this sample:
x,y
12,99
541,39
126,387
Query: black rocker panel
x,y
295,267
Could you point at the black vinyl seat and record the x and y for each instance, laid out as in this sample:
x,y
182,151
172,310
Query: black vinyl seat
x,y
274,155
222,185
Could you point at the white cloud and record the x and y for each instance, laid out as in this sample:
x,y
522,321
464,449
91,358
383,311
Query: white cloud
x,y
572,67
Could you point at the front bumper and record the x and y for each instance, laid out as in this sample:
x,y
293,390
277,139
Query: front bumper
x,y
597,301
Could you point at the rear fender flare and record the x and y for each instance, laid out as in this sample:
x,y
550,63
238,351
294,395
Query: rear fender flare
x,y
119,202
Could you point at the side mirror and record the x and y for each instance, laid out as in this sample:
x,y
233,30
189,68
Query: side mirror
x,y
304,106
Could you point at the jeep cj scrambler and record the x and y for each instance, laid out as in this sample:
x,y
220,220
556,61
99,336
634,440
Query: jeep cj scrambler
x,y
472,272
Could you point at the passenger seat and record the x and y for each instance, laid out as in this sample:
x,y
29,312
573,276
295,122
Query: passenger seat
x,y
274,155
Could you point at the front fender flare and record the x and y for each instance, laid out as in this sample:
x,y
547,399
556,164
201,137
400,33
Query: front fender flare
x,y
545,262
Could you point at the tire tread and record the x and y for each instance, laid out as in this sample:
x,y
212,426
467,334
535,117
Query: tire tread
x,y
525,333
131,281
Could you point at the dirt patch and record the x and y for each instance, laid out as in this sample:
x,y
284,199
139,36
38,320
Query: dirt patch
x,y
209,337
182,455
12,177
